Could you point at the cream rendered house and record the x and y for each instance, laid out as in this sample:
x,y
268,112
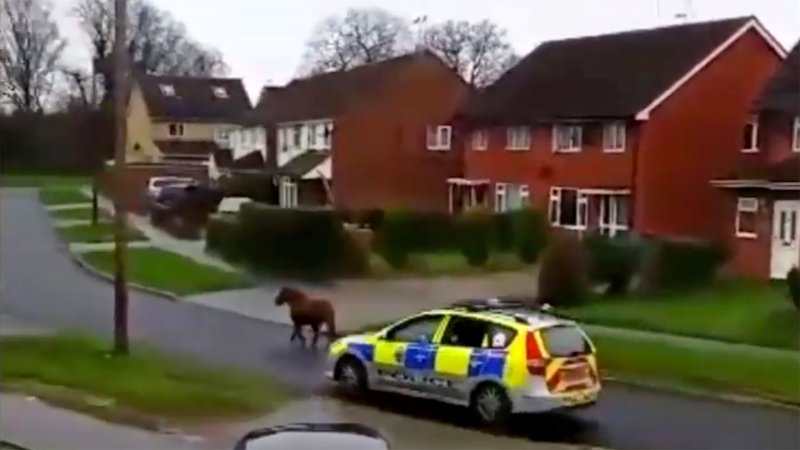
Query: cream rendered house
x,y
182,119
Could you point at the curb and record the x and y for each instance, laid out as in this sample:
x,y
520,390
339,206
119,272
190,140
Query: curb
x,y
88,268
702,393
4,444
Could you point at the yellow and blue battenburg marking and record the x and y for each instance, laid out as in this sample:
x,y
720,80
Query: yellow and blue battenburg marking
x,y
365,351
486,362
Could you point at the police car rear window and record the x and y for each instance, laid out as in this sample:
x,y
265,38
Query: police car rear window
x,y
565,340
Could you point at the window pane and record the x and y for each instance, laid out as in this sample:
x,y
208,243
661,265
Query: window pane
x,y
464,332
568,210
415,330
622,209
747,138
747,222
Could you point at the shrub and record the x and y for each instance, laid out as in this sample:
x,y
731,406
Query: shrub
x,y
503,231
563,276
679,264
793,282
258,187
612,261
474,229
292,242
530,234
403,232
223,237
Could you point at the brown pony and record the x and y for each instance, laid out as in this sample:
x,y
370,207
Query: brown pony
x,y
307,311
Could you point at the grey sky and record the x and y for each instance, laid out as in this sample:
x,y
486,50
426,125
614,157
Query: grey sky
x,y
263,40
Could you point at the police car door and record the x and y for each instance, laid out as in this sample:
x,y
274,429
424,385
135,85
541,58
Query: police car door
x,y
455,360
405,355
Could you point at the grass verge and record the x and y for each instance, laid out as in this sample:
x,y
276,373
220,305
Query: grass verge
x,y
102,232
78,214
733,311
168,271
62,196
79,373
444,263
42,180
768,376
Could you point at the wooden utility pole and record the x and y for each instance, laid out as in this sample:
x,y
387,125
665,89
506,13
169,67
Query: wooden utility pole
x,y
120,67
97,159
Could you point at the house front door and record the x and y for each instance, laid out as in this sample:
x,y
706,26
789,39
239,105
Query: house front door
x,y
785,237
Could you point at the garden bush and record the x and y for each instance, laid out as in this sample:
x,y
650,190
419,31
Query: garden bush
x,y
474,229
671,264
503,231
563,276
222,237
258,187
403,232
308,243
529,234
613,261
793,282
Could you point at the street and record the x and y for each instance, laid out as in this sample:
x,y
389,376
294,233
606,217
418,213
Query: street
x,y
39,282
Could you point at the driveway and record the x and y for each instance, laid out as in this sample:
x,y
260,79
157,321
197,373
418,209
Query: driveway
x,y
38,281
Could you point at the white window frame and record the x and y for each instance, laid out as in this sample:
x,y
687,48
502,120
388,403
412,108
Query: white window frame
x,y
581,208
748,205
219,91
439,137
611,131
480,140
796,135
518,138
288,193
297,136
311,132
609,223
167,90
179,131
753,148
564,127
500,197
327,136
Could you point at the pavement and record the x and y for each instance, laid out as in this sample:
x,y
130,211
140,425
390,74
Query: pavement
x,y
43,285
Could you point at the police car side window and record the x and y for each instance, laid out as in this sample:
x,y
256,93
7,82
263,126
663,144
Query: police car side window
x,y
415,329
465,332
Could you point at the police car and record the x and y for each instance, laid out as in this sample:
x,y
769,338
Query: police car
x,y
497,357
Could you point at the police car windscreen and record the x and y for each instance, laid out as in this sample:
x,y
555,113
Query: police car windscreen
x,y
564,340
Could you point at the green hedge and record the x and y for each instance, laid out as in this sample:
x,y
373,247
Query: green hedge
x,y
290,242
474,230
403,232
563,276
529,234
614,261
677,264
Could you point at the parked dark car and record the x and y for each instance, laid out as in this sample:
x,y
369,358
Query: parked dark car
x,y
184,209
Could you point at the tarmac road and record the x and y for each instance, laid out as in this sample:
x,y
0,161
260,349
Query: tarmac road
x,y
39,282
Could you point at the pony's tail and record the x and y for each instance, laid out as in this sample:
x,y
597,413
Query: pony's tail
x,y
331,323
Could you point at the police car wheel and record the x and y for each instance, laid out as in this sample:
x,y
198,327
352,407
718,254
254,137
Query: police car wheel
x,y
351,376
491,405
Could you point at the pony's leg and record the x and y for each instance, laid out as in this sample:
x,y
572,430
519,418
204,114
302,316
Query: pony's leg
x,y
315,328
298,333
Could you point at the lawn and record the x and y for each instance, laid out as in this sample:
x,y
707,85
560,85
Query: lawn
x,y
169,271
62,196
102,232
79,372
767,376
77,214
443,263
43,180
733,311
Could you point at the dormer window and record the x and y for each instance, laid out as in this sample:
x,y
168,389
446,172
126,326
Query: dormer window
x,y
750,136
220,92
167,89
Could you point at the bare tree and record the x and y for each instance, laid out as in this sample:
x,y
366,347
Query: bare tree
x,y
480,51
361,36
156,41
30,47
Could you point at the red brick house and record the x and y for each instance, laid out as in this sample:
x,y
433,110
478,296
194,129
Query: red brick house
x,y
763,205
619,132
375,136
